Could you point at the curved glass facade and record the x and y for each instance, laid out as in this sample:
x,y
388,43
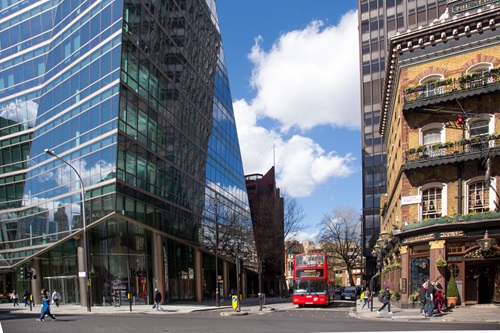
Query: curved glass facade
x,y
134,95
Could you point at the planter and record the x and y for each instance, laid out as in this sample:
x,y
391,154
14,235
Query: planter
x,y
452,301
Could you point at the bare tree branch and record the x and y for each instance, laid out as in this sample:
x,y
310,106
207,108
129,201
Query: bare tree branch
x,y
293,216
340,237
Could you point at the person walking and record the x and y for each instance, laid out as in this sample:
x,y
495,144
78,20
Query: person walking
x,y
421,296
26,297
15,298
56,297
386,299
157,302
366,298
439,294
429,300
46,309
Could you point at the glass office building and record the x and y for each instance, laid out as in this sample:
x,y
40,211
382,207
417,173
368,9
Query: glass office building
x,y
132,97
378,21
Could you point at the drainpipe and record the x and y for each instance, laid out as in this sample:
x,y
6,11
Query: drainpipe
x,y
459,189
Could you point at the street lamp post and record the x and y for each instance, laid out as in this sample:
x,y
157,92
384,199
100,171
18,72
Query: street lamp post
x,y
85,251
216,204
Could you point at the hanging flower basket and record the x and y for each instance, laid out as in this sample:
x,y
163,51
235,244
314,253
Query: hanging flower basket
x,y
441,262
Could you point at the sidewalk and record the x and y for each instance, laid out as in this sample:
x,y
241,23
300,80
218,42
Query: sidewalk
x,y
483,313
248,304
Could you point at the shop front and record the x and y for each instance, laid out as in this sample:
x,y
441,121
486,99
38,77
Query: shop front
x,y
453,249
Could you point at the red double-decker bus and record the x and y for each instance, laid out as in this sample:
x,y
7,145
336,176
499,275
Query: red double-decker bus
x,y
310,280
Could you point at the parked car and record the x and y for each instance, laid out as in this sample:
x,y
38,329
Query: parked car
x,y
349,293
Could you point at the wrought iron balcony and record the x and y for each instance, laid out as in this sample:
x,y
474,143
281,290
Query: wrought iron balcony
x,y
436,91
444,152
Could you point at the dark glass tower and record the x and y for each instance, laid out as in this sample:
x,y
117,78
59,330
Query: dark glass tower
x,y
378,21
134,95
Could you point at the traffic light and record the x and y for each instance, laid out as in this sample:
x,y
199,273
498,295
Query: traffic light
x,y
379,260
24,273
29,273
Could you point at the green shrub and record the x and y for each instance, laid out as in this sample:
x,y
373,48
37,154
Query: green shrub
x,y
452,289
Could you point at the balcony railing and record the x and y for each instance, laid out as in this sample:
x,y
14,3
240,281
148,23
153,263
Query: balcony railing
x,y
440,89
473,145
452,219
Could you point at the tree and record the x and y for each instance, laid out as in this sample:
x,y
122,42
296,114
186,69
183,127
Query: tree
x,y
293,217
234,231
340,237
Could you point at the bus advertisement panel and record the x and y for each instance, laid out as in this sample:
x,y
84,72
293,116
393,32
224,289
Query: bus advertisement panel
x,y
310,280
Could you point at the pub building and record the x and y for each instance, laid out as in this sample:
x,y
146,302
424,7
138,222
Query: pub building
x,y
440,121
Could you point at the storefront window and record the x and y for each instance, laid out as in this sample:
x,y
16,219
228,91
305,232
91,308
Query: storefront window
x,y
419,272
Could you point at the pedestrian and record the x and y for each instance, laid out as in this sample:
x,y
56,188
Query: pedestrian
x,y
46,309
421,296
157,302
15,298
386,299
26,297
366,298
429,300
439,294
55,298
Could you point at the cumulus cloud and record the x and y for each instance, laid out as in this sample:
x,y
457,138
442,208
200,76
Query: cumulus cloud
x,y
308,78
313,72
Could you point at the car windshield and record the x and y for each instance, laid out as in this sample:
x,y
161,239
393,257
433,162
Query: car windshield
x,y
349,290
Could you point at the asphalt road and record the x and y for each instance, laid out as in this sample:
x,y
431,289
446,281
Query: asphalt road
x,y
285,318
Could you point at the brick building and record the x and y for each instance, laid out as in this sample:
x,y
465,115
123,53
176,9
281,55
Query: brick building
x,y
440,122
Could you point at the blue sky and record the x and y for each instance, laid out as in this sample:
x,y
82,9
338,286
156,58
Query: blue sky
x,y
293,70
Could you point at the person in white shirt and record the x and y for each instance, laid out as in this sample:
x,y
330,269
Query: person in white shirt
x,y
56,297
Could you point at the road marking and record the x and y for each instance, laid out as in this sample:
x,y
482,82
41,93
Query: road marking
x,y
1,329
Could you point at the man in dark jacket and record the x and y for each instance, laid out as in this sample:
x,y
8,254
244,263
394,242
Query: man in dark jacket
x,y
386,299
157,302
421,296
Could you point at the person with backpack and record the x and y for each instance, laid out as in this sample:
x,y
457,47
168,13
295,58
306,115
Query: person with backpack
x,y
386,299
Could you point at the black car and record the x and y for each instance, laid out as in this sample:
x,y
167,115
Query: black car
x,y
349,293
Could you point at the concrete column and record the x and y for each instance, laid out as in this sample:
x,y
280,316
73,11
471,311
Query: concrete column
x,y
158,267
36,284
244,284
198,278
81,271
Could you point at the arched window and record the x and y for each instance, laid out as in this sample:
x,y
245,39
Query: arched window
x,y
482,125
481,67
476,75
480,198
431,88
433,197
431,134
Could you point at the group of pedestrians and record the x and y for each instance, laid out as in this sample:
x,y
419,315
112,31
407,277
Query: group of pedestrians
x,y
431,296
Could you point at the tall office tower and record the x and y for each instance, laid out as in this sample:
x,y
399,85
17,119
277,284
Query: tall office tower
x,y
379,20
122,108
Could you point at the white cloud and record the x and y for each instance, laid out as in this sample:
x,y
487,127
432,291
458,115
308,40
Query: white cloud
x,y
308,78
